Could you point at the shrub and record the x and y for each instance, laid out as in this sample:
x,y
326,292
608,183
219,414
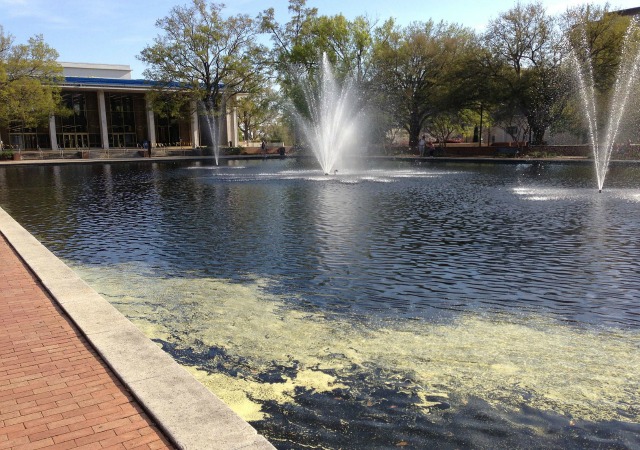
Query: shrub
x,y
6,154
233,150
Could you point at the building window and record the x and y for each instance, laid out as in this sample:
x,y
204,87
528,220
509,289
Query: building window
x,y
167,131
24,138
80,128
126,119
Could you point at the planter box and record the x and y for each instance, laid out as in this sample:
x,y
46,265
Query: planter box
x,y
17,157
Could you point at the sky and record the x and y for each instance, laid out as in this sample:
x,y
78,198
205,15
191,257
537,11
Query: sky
x,y
116,31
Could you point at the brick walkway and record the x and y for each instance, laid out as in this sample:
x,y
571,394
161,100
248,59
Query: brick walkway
x,y
55,391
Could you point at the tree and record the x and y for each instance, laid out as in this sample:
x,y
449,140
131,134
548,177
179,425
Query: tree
x,y
208,57
447,125
299,44
598,39
292,42
414,71
257,111
29,81
528,45
597,35
347,43
303,40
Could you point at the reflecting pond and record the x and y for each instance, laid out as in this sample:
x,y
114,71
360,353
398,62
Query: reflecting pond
x,y
402,305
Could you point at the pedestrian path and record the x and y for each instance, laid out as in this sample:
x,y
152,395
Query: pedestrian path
x,y
55,391
36,289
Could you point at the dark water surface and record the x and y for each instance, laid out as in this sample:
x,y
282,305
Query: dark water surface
x,y
420,306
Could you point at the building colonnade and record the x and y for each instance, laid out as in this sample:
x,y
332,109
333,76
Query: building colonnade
x,y
115,112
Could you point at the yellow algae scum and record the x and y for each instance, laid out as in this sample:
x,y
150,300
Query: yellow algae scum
x,y
507,360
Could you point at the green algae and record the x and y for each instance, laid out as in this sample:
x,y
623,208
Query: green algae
x,y
506,360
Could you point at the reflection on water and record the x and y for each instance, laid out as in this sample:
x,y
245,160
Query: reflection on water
x,y
452,305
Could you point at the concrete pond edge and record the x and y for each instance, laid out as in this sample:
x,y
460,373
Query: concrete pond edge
x,y
189,414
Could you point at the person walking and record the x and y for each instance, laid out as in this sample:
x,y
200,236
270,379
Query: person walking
x,y
421,144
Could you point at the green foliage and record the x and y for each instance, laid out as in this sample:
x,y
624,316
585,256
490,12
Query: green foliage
x,y
426,76
527,51
6,155
199,51
298,46
293,41
233,151
281,130
448,125
258,111
171,104
416,69
597,38
29,78
543,154
597,35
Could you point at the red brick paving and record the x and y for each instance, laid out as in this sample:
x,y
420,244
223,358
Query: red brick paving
x,y
55,391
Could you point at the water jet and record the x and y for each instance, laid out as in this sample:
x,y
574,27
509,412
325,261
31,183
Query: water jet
x,y
602,147
333,115
211,129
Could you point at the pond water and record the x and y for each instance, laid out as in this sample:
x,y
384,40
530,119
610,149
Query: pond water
x,y
401,305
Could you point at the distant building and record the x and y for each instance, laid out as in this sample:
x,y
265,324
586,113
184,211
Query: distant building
x,y
111,110
629,12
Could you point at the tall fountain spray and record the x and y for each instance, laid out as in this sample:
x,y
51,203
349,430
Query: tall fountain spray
x,y
334,116
603,144
211,123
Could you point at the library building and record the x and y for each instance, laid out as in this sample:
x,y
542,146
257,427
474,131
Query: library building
x,y
111,110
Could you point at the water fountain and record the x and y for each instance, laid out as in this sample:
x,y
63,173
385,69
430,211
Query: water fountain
x,y
603,144
211,128
334,116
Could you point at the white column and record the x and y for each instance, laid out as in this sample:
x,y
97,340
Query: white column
x,y
195,126
234,126
53,132
222,122
151,124
102,112
229,125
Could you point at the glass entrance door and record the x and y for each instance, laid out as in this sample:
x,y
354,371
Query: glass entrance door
x,y
75,140
120,140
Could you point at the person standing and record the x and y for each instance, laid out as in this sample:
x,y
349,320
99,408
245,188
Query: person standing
x,y
421,144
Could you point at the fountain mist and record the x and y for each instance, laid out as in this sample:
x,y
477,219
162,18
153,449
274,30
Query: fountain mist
x,y
334,116
211,128
603,144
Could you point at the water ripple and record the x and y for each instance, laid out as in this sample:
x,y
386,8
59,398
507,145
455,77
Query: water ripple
x,y
402,240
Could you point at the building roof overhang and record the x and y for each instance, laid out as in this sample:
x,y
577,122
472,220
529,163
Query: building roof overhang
x,y
116,84
107,84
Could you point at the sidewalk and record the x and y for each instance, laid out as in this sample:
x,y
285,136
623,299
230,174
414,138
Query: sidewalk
x,y
55,392
89,375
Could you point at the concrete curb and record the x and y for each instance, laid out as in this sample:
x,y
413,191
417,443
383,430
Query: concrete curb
x,y
188,413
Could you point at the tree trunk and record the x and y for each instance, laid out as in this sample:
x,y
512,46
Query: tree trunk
x,y
414,131
537,136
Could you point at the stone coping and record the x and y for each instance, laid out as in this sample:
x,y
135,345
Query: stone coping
x,y
189,414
